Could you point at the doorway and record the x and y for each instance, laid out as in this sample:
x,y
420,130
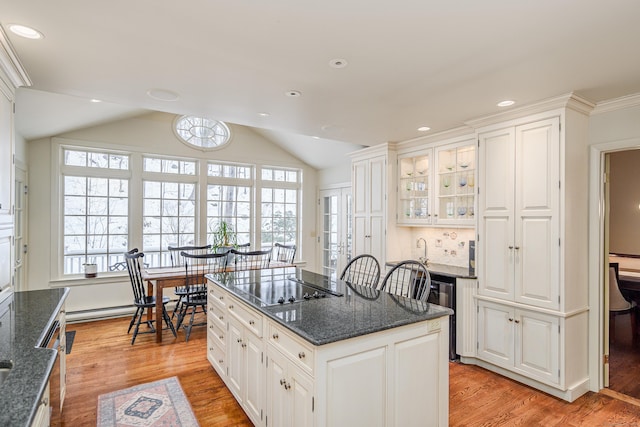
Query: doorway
x,y
622,288
335,229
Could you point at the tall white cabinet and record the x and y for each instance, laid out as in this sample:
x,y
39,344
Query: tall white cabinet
x,y
12,75
531,249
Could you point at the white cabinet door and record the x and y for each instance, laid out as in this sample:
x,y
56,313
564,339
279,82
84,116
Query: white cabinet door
x,y
537,345
235,360
277,402
289,392
455,183
537,200
495,333
494,249
253,376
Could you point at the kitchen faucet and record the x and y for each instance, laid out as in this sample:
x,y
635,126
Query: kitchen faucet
x,y
424,259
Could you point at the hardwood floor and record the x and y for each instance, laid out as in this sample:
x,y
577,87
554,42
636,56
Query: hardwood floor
x,y
102,360
624,360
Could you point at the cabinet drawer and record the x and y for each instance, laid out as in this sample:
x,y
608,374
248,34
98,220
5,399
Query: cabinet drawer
x,y
217,335
217,316
216,355
301,354
249,318
217,296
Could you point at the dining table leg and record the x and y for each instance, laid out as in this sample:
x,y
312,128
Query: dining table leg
x,y
158,311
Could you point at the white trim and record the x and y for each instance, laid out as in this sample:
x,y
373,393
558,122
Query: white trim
x,y
627,101
10,63
596,255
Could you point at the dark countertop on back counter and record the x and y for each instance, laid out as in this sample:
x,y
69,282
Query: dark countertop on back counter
x,y
443,270
359,311
30,317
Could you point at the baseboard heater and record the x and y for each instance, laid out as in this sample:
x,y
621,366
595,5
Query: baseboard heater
x,y
102,313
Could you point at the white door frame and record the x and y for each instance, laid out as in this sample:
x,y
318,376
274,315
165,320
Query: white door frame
x,y
341,190
597,244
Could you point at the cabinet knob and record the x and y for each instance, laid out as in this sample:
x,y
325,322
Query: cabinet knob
x,y
231,307
244,345
221,317
510,247
220,361
239,339
517,248
301,355
221,297
510,319
275,336
282,381
221,337
517,321
251,322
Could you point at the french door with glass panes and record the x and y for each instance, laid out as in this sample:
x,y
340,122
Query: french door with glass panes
x,y
335,238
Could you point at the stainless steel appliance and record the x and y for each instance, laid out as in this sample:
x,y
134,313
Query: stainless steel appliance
x,y
443,292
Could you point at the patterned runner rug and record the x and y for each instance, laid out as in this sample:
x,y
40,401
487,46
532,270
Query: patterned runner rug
x,y
160,403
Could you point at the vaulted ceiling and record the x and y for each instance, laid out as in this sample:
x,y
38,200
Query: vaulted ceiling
x,y
366,71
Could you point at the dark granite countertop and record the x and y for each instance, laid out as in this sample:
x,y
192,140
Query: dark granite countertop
x,y
25,319
443,270
359,311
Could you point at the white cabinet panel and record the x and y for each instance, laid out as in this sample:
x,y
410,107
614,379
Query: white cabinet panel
x,y
358,397
537,352
495,333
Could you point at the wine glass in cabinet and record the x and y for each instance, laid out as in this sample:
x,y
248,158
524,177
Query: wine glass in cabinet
x,y
455,183
414,188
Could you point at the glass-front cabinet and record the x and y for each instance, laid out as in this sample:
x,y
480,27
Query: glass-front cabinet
x,y
455,176
414,188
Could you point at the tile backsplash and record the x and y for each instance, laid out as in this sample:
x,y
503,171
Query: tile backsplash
x,y
445,245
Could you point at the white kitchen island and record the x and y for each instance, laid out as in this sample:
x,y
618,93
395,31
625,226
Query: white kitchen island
x,y
363,358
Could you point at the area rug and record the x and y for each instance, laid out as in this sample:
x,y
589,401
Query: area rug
x,y
160,403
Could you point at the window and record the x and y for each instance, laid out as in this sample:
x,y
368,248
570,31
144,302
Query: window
x,y
230,199
95,209
202,132
279,210
169,208
112,202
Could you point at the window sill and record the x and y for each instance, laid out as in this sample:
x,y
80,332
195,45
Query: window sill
x,y
102,279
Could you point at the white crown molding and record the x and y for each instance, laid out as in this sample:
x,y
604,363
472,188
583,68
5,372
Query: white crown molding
x,y
10,63
569,100
627,101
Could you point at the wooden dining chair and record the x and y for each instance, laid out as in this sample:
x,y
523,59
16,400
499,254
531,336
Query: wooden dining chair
x,y
284,253
141,300
363,270
178,261
409,279
251,260
196,267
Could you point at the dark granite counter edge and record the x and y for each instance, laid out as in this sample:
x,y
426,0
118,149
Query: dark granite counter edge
x,y
22,391
443,270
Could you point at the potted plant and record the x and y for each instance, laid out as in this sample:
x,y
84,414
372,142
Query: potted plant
x,y
223,236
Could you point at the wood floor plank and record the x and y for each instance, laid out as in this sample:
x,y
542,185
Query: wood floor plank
x,y
103,360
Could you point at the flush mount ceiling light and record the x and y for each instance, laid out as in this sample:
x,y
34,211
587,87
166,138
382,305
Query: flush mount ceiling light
x,y
96,101
338,63
202,132
506,103
162,95
26,32
264,114
293,93
424,128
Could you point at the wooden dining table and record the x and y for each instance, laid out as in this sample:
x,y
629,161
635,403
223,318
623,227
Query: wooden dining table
x,y
159,278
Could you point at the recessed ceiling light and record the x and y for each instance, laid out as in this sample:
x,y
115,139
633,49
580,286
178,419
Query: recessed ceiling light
x,y
95,101
506,103
263,114
162,95
338,63
25,32
315,137
293,93
424,128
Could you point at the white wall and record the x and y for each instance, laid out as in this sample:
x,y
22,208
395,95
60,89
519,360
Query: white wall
x,y
152,131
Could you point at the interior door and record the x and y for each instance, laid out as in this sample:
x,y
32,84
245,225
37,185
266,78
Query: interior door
x,y
336,231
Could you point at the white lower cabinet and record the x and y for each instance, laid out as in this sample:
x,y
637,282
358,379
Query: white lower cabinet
x,y
524,341
290,398
43,413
